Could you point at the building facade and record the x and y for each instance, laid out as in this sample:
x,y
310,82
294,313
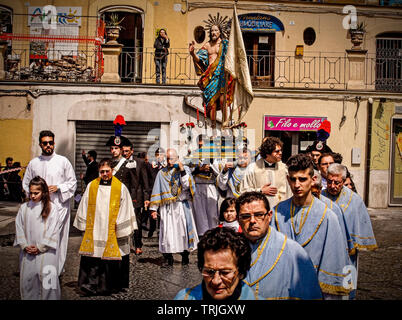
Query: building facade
x,y
303,65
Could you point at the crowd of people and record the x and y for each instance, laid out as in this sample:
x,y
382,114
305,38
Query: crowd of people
x,y
262,229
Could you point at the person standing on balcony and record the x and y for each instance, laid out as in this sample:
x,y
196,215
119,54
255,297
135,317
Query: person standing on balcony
x,y
161,46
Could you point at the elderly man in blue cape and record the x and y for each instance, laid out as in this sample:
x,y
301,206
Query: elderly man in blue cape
x,y
172,192
316,191
280,268
355,212
231,175
209,63
224,257
315,227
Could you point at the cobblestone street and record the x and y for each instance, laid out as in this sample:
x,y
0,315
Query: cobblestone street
x,y
380,272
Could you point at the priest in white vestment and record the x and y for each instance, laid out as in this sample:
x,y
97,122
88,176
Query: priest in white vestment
x,y
61,180
107,216
268,174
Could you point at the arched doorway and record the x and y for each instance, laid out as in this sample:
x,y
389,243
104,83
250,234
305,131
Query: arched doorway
x,y
131,37
389,61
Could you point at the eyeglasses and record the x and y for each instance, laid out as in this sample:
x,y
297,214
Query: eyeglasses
x,y
226,275
45,143
330,182
104,171
259,216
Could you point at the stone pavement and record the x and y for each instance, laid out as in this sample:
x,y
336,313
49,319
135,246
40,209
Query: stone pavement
x,y
380,271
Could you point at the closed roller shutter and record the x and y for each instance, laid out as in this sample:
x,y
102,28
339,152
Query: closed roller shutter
x,y
93,135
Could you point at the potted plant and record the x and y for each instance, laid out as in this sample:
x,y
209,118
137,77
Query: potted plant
x,y
357,35
113,27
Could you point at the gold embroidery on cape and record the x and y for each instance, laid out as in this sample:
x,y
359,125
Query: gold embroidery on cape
x,y
272,267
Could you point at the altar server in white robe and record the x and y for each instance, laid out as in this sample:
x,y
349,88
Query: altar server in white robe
x,y
37,233
173,193
60,177
107,216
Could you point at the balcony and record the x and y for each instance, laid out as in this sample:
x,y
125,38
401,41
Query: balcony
x,y
313,70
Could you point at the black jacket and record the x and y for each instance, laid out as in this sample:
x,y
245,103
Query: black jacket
x,y
92,171
161,46
135,179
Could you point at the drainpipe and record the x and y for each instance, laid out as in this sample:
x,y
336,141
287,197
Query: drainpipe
x,y
368,148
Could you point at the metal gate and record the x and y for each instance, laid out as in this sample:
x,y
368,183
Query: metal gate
x,y
93,135
389,64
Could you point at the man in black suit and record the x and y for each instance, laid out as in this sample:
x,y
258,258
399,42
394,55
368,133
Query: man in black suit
x,y
152,170
140,189
92,166
126,176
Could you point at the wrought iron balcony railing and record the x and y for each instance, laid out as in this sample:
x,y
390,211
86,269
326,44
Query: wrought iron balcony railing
x,y
316,70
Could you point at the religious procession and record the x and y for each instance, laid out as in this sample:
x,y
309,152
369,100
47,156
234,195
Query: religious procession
x,y
277,216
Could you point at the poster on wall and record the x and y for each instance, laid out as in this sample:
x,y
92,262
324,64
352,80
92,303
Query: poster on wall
x,y
66,24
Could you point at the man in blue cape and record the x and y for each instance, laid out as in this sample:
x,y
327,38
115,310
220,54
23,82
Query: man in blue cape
x,y
315,227
280,268
172,193
354,211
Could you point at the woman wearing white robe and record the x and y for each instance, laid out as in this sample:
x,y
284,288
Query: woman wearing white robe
x,y
38,273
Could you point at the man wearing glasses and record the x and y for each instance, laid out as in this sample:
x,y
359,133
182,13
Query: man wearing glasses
x,y
107,216
280,268
268,174
59,174
224,258
324,161
357,218
312,224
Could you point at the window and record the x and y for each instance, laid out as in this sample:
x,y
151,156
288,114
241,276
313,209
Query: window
x,y
309,36
199,34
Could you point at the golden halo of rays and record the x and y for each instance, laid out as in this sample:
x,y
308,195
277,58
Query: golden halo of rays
x,y
223,22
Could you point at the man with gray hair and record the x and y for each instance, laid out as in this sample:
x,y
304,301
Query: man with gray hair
x,y
316,188
173,193
354,211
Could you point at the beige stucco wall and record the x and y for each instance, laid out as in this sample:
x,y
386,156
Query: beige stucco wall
x,y
341,140
15,129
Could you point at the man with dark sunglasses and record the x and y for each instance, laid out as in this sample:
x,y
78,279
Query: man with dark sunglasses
x,y
60,177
